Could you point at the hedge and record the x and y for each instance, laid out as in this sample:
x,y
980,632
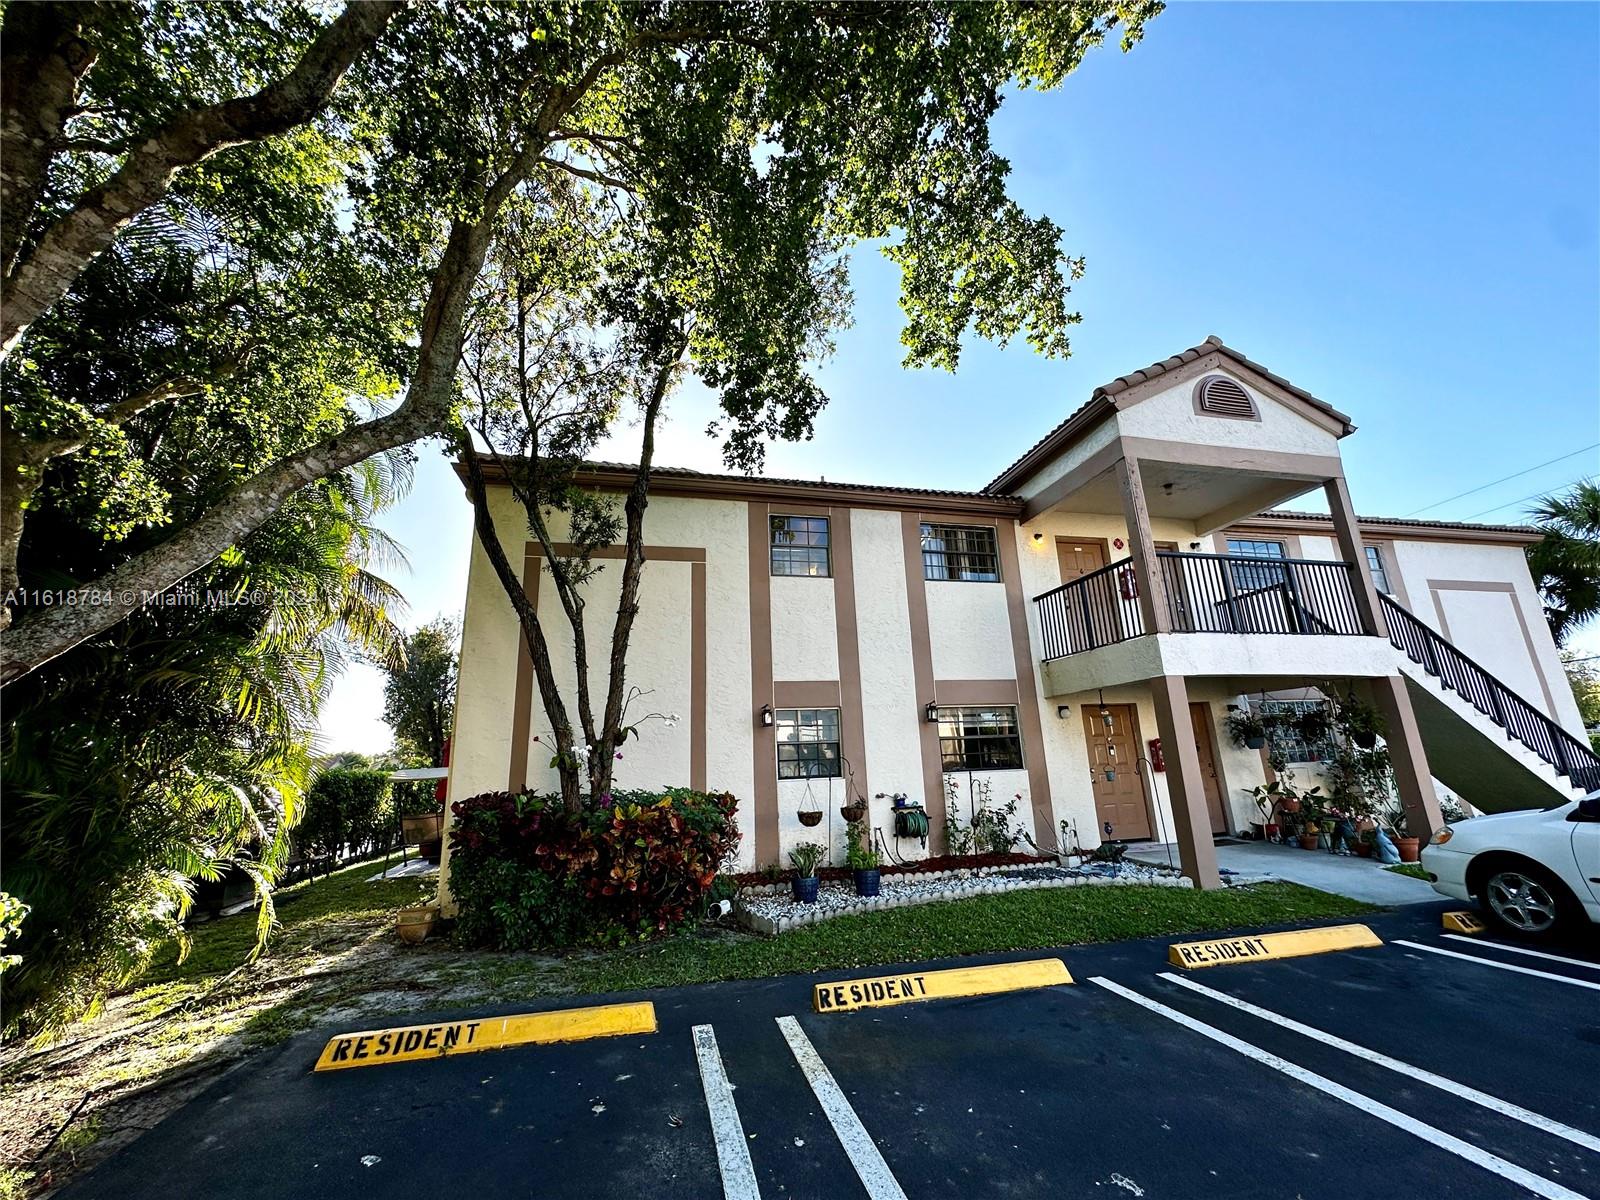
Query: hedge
x,y
527,874
346,807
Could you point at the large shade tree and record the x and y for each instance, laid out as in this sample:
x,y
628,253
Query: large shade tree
x,y
419,692
716,183
396,142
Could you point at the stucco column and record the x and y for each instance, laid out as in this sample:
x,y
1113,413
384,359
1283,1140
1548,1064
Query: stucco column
x,y
1352,551
1190,818
1146,567
1412,778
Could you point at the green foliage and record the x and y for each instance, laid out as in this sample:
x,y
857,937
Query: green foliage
x,y
860,854
528,874
419,694
991,830
1584,680
1566,563
807,857
347,810
176,746
12,911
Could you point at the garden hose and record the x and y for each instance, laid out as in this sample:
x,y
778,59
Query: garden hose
x,y
911,822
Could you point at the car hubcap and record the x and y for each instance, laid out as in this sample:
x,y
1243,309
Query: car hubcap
x,y
1521,902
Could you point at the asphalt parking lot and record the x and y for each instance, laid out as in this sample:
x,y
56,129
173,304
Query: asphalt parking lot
x,y
1428,1065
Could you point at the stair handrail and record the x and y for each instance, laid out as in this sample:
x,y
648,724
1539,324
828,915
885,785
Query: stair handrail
x,y
1521,720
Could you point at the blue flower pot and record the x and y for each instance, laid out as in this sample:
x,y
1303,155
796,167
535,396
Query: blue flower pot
x,y
805,890
867,882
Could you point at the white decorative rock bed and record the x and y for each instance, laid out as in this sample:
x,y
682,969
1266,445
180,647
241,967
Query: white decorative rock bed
x,y
770,907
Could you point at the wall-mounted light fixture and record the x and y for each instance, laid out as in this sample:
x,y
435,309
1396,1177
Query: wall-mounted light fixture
x,y
1194,545
1062,710
766,715
931,713
1038,537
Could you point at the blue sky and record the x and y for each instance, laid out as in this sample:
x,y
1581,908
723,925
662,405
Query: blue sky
x,y
1395,206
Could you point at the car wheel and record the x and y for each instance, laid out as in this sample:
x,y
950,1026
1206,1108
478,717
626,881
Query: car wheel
x,y
1524,899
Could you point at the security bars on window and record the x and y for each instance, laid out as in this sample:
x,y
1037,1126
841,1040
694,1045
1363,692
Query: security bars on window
x,y
808,743
800,546
967,552
980,738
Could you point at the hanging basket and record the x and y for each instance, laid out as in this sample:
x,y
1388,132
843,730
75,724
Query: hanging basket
x,y
810,817
853,812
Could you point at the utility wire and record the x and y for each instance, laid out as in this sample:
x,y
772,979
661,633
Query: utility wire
x,y
1502,479
1525,499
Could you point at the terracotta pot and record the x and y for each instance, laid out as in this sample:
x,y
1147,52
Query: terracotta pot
x,y
1308,841
810,818
1365,824
419,829
1364,849
1409,848
414,924
1289,806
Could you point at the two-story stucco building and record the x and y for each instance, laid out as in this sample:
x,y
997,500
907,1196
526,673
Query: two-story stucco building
x,y
1072,635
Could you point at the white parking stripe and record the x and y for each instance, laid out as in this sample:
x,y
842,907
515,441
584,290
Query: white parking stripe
x,y
1489,962
1537,1184
733,1151
858,1144
1571,962
1504,1107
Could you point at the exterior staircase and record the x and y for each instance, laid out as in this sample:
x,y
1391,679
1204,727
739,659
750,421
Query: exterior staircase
x,y
1484,741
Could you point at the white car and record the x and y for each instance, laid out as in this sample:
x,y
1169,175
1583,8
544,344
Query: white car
x,y
1531,872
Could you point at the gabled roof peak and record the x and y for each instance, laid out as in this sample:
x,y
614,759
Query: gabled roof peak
x,y
1102,401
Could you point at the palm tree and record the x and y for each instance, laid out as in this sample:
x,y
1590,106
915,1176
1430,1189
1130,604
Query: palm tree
x,y
178,746
1566,564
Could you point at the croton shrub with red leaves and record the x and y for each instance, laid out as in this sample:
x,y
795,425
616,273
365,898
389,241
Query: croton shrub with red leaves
x,y
527,874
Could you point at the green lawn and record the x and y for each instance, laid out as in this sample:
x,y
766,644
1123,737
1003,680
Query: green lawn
x,y
1023,920
1412,869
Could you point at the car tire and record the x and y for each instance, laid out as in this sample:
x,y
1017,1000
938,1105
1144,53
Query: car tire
x,y
1524,899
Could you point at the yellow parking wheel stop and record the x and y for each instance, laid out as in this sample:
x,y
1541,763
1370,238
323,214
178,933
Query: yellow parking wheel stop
x,y
1294,944
1463,922
381,1046
912,986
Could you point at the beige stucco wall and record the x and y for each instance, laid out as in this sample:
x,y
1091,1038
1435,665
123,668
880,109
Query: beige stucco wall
x,y
1080,451
1504,631
1169,415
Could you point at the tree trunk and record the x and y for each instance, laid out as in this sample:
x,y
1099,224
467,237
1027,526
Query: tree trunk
x,y
555,708
42,275
425,411
42,57
601,766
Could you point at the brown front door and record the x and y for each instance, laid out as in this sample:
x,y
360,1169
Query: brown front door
x,y
1090,615
1118,802
1205,743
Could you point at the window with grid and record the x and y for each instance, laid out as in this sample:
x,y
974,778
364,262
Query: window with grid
x,y
1289,743
1380,575
800,546
808,743
1248,577
967,552
980,738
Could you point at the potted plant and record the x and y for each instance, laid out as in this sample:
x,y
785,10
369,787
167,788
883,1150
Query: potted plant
x,y
1312,815
1359,723
414,924
805,858
1247,729
1364,841
1408,847
1313,724
853,811
862,859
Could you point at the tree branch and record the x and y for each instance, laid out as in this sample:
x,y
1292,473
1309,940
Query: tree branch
x,y
41,276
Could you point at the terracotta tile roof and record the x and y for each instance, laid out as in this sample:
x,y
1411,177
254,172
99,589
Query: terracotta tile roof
x,y
1101,399
1413,522
778,481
